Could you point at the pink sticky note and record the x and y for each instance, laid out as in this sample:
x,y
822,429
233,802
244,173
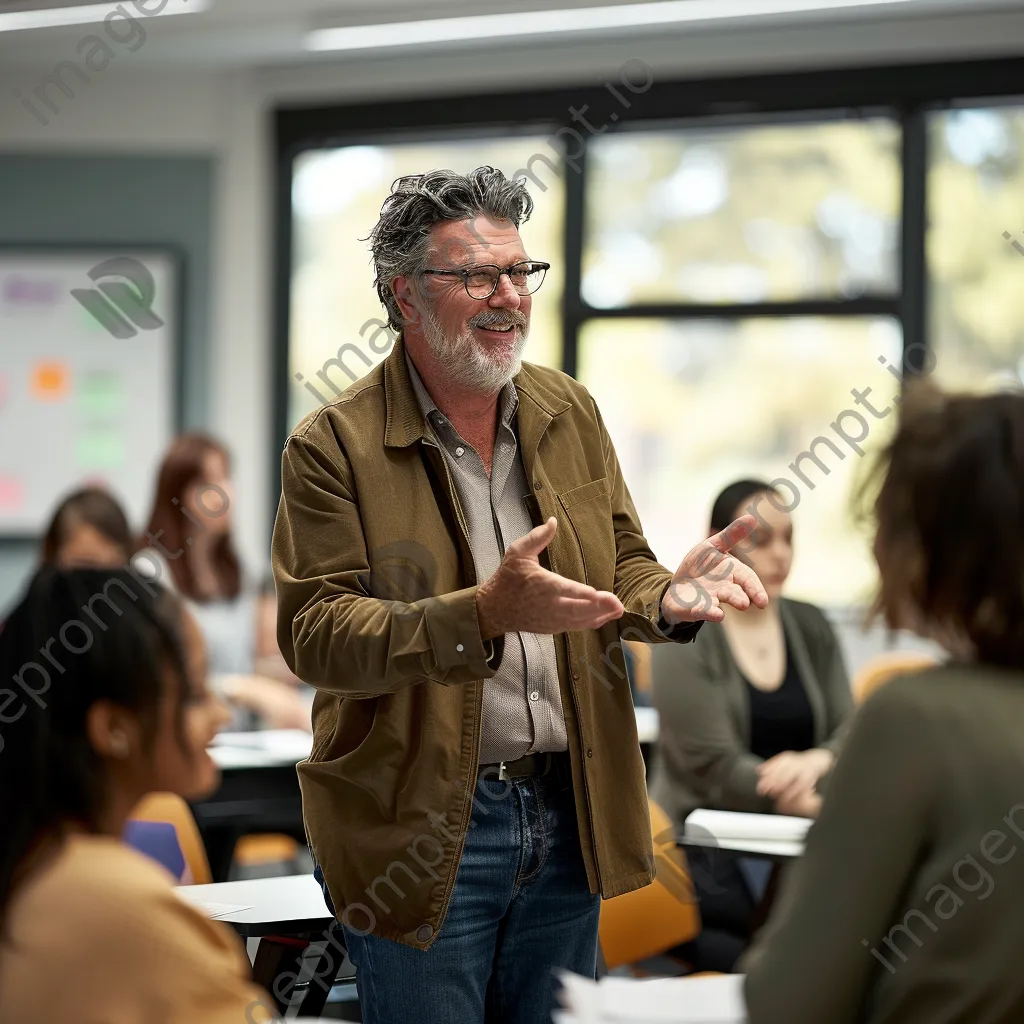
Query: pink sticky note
x,y
12,492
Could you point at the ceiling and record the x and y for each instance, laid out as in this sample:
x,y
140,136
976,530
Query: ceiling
x,y
269,33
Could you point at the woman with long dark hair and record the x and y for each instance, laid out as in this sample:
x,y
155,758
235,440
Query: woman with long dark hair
x,y
107,704
191,540
752,715
906,904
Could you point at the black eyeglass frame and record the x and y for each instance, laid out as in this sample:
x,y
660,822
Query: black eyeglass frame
x,y
465,272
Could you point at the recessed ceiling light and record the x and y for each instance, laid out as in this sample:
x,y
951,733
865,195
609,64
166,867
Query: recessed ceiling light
x,y
499,27
93,14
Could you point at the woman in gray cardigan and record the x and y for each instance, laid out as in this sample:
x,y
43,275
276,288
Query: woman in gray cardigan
x,y
752,714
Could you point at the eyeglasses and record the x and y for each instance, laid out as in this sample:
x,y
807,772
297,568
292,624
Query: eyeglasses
x,y
482,282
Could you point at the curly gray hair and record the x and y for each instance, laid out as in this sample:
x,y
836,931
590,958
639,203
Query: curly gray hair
x,y
400,240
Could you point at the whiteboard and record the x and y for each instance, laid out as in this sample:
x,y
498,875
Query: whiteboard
x,y
87,377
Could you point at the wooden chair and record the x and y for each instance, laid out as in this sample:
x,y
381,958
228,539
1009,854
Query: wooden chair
x,y
172,808
649,921
883,667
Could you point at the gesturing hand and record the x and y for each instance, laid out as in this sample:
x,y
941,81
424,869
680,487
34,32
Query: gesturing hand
x,y
523,596
709,577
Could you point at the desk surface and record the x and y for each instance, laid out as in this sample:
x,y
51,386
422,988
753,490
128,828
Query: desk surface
x,y
275,748
288,905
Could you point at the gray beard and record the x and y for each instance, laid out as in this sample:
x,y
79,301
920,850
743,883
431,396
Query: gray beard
x,y
466,364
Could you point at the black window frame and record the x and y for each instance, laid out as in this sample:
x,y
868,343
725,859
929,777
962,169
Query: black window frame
x,y
907,92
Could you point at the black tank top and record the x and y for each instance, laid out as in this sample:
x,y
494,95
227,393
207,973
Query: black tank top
x,y
783,719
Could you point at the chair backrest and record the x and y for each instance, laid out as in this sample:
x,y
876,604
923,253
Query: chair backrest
x,y
172,808
883,667
649,921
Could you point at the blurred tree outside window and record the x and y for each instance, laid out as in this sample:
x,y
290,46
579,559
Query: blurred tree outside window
x,y
976,284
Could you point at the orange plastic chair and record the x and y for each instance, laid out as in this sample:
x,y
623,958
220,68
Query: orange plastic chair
x,y
649,921
883,667
262,848
170,807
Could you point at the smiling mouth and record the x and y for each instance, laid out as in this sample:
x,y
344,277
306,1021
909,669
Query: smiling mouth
x,y
498,330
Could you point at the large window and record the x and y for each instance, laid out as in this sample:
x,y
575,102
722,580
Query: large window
x,y
735,262
735,217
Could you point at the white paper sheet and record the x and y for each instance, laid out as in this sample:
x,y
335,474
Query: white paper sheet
x,y
705,824
712,1000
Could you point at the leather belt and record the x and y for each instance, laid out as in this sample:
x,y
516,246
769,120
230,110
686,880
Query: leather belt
x,y
530,766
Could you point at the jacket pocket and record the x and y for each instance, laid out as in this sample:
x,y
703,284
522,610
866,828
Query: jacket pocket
x,y
588,509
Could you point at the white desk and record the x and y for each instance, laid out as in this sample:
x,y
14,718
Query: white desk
x,y
289,905
268,748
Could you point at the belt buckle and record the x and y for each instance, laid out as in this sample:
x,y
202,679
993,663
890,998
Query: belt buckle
x,y
502,777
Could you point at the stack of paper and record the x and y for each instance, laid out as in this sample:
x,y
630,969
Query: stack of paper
x,y
775,834
716,999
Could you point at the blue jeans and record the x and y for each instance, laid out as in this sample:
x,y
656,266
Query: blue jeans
x,y
520,908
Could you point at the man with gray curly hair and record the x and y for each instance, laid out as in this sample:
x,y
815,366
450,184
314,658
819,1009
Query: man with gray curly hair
x,y
458,561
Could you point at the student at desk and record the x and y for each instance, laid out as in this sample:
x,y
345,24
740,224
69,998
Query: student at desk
x,y
192,549
906,906
91,931
751,716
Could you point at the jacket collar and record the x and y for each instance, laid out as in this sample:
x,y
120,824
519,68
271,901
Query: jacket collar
x,y
404,423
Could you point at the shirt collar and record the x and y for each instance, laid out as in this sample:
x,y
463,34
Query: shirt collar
x,y
509,400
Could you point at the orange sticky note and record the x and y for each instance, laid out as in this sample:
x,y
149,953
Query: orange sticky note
x,y
50,381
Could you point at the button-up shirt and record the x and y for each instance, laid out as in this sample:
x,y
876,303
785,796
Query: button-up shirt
x,y
522,705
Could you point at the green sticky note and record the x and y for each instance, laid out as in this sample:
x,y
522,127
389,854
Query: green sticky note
x,y
100,394
100,449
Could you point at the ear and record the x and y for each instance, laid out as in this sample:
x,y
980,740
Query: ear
x,y
113,731
405,293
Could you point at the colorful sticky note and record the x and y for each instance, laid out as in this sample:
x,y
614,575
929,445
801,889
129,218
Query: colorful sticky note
x,y
99,394
100,449
12,493
50,380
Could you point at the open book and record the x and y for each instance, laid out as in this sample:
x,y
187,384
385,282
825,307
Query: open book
x,y
773,834
716,999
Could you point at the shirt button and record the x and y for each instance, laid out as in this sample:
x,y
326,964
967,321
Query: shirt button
x,y
459,648
460,451
534,695
590,752
424,932
537,485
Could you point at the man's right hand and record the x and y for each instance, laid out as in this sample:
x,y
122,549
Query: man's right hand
x,y
524,597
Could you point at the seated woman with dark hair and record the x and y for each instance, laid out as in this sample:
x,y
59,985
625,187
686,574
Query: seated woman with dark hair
x,y
751,717
126,714
892,914
88,529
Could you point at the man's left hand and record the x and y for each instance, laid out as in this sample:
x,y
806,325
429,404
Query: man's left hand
x,y
709,577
